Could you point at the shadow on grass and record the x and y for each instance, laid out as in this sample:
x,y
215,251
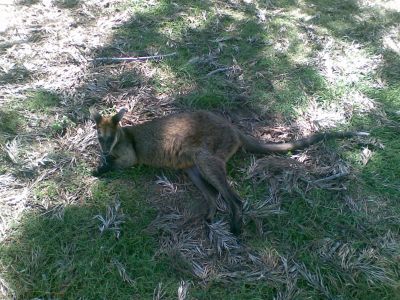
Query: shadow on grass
x,y
99,249
59,3
391,68
17,74
62,252
26,2
11,121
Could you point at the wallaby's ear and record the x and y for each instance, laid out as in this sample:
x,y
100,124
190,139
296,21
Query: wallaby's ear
x,y
94,115
118,116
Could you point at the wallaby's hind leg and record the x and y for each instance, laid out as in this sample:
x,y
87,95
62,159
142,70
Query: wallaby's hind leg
x,y
208,191
213,171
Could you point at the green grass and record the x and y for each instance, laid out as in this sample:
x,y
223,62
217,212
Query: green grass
x,y
234,33
42,101
11,121
67,3
60,124
67,257
60,249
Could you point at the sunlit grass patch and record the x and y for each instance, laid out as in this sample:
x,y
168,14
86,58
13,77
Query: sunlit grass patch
x,y
389,97
60,124
205,100
42,101
46,191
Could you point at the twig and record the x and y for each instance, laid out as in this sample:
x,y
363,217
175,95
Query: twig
x,y
140,58
220,70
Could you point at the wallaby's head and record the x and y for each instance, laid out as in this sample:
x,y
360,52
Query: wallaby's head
x,y
107,127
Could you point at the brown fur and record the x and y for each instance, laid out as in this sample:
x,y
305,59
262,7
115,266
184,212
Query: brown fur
x,y
200,143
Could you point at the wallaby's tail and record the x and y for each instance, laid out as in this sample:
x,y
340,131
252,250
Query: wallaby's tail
x,y
252,145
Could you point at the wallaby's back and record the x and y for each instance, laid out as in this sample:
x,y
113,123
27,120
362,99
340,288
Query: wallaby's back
x,y
172,141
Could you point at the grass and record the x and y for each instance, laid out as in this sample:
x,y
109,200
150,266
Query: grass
x,y
233,37
42,101
88,250
18,73
67,3
11,121
282,69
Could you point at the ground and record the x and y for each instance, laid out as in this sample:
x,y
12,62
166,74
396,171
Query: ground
x,y
320,223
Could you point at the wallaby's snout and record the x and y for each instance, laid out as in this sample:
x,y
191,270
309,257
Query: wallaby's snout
x,y
106,143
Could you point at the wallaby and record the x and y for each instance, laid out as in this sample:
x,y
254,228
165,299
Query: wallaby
x,y
200,143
